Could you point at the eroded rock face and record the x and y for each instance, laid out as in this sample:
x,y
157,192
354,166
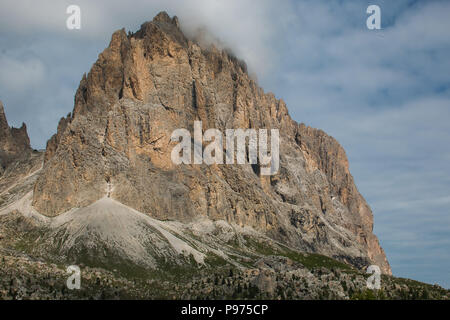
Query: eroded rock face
x,y
14,142
117,143
19,163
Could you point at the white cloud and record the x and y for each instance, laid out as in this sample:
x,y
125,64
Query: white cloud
x,y
247,27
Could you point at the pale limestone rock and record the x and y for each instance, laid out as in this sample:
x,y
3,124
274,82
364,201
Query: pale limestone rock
x,y
117,143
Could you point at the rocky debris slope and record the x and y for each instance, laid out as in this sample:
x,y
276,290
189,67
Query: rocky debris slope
x,y
111,235
270,276
25,278
116,142
275,277
262,269
22,277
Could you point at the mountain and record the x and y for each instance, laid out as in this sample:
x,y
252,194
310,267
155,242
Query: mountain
x,y
146,85
13,142
107,196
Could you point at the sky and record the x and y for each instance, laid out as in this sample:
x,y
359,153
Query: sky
x,y
383,94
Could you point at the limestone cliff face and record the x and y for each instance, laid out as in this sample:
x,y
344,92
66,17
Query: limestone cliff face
x,y
117,142
13,142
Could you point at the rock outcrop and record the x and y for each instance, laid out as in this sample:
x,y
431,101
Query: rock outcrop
x,y
19,163
116,143
14,143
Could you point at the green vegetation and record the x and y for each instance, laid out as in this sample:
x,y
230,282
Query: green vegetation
x,y
107,273
309,260
213,260
369,294
314,260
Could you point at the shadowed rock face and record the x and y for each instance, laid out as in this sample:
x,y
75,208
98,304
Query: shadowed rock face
x,y
14,143
117,142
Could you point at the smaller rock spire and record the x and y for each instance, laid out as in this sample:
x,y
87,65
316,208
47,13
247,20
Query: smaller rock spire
x,y
2,110
13,141
162,17
3,122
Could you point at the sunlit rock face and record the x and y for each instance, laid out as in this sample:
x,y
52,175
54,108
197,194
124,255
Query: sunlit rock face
x,y
116,143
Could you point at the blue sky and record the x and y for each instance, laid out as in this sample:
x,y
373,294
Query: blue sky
x,y
383,94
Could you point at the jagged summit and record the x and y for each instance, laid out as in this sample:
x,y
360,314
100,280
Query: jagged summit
x,y
4,127
164,17
116,142
171,26
14,142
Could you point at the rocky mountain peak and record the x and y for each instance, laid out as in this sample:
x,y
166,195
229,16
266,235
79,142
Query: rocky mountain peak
x,y
165,18
117,143
14,142
3,122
